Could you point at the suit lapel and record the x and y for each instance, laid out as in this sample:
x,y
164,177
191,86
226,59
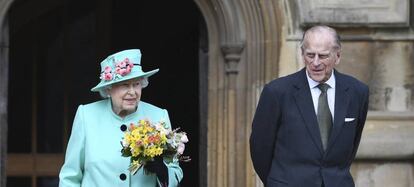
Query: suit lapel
x,y
341,106
304,103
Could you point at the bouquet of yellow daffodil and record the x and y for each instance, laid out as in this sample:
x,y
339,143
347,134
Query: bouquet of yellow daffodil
x,y
146,140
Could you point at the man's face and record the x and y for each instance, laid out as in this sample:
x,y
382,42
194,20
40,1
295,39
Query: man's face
x,y
319,55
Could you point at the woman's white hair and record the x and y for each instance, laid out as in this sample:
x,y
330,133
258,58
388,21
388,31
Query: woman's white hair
x,y
104,91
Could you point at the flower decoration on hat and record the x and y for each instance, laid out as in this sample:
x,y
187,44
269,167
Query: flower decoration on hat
x,y
122,68
107,74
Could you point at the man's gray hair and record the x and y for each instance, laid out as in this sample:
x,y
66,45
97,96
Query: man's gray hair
x,y
332,31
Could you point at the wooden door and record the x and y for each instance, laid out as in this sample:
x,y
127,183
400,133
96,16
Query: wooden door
x,y
52,67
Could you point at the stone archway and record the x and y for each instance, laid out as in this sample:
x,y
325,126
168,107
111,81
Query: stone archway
x,y
243,54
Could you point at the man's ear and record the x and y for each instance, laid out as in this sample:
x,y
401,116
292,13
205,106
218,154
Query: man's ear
x,y
338,57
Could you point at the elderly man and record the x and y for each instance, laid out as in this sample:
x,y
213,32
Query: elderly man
x,y
308,125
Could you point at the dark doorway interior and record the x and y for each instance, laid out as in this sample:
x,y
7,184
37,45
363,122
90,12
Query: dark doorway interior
x,y
167,33
55,50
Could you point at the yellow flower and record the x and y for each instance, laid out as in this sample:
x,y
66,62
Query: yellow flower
x,y
146,140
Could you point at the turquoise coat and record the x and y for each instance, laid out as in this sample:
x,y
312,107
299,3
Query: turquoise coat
x,y
93,156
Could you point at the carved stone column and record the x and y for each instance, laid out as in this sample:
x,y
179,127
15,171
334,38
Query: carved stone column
x,y
243,38
232,53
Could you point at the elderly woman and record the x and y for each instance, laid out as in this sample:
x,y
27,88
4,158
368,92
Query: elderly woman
x,y
93,156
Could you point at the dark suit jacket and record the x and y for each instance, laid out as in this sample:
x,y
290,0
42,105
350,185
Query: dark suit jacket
x,y
285,143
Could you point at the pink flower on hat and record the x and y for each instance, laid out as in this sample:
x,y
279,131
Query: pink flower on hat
x,y
107,69
124,67
129,67
122,72
122,64
107,74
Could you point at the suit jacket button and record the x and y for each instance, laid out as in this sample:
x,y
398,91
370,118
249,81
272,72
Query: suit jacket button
x,y
122,176
123,127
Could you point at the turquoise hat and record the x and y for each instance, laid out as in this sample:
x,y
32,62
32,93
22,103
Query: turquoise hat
x,y
121,66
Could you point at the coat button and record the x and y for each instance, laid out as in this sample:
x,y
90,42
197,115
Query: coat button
x,y
123,127
122,176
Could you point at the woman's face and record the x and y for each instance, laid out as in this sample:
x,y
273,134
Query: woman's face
x,y
125,96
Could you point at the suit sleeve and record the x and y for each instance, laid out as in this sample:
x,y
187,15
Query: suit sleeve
x,y
361,122
72,170
175,173
264,133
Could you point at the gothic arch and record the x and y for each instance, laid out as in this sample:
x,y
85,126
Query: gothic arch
x,y
243,53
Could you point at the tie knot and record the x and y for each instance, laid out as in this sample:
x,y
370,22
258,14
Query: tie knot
x,y
323,87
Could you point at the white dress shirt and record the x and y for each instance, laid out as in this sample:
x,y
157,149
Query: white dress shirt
x,y
315,91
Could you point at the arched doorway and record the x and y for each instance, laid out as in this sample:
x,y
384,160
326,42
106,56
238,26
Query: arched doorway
x,y
55,49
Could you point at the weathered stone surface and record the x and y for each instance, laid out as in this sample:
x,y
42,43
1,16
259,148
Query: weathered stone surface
x,y
387,139
356,59
371,13
383,174
387,67
391,84
288,63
